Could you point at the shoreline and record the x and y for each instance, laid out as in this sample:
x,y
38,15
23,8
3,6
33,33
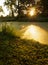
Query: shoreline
x,y
22,19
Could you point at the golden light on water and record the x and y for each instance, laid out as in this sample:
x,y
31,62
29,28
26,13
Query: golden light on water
x,y
36,33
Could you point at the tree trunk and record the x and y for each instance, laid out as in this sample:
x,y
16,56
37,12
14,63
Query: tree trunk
x,y
12,11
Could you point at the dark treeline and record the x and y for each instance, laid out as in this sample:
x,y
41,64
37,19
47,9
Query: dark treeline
x,y
19,9
17,6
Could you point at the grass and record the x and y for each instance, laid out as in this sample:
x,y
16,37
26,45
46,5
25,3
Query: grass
x,y
16,51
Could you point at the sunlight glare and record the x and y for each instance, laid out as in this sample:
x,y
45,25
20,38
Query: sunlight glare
x,y
1,2
6,12
32,12
36,33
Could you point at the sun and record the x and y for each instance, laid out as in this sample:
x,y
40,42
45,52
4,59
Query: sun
x,y
32,12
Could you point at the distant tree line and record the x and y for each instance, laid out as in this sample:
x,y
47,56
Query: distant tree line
x,y
44,3
19,6
16,6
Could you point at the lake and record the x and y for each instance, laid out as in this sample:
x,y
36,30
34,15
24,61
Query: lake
x,y
37,30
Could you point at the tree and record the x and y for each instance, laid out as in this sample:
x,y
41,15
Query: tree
x,y
31,2
11,4
44,3
1,10
28,2
22,5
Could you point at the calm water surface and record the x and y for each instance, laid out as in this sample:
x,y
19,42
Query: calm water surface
x,y
42,28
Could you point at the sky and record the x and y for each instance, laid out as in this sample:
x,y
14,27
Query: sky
x,y
6,12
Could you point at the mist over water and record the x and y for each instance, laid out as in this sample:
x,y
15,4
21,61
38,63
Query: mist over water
x,y
40,33
36,33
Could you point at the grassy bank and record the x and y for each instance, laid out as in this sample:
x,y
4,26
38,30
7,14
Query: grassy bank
x,y
16,51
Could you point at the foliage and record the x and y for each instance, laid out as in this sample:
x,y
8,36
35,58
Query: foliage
x,y
44,3
1,9
11,4
28,1
16,51
7,32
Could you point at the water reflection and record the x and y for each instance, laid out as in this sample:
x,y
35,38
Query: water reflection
x,y
36,33
35,30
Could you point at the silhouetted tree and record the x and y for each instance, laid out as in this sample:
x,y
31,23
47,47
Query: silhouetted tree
x,y
28,1
44,3
1,9
22,5
11,4
31,2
